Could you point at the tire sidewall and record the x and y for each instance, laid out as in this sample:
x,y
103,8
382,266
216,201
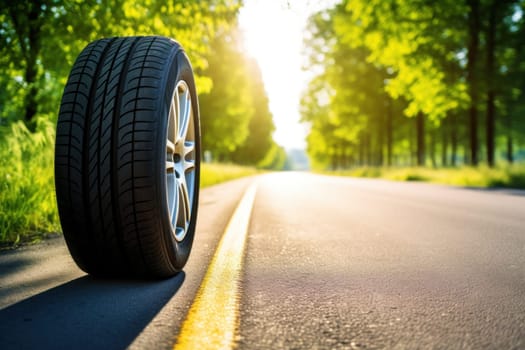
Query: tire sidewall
x,y
179,68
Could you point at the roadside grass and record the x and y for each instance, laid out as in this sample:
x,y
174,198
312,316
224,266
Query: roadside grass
x,y
27,190
28,211
507,176
214,173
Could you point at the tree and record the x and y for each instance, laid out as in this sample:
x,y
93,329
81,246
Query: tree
x,y
260,128
345,104
512,58
472,78
40,40
500,44
228,107
23,29
444,63
236,121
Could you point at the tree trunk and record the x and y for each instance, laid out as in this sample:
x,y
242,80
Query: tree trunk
x,y
389,132
368,149
28,25
411,145
510,151
420,130
361,146
348,155
380,141
491,93
453,140
444,141
333,158
341,157
472,79
510,156
433,148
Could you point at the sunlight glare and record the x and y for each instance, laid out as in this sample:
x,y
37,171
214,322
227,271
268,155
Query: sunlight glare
x,y
273,34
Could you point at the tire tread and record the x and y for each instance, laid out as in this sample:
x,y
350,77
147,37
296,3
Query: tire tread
x,y
106,155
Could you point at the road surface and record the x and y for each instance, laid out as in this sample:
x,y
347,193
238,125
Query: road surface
x,y
329,263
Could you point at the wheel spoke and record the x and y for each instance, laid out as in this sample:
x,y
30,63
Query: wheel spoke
x,y
189,163
173,121
189,166
189,146
185,116
173,198
170,147
170,166
184,211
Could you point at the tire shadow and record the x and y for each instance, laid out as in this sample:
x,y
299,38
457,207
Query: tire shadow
x,y
86,313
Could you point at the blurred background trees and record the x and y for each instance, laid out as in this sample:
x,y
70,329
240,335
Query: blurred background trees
x,y
416,82
40,39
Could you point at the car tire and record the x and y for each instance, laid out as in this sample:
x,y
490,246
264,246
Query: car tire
x,y
127,158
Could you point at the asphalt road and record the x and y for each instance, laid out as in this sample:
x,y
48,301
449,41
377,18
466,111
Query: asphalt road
x,y
330,263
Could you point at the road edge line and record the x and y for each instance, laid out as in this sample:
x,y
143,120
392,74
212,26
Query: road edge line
x,y
213,319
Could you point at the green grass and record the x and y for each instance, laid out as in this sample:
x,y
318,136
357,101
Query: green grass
x,y
214,173
510,176
27,192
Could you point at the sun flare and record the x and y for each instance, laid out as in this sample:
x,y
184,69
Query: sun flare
x,y
273,34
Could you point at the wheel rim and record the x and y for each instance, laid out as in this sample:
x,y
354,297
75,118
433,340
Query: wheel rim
x,y
180,160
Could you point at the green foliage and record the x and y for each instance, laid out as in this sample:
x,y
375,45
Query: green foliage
x,y
226,110
418,41
236,122
347,102
412,81
27,191
41,39
259,142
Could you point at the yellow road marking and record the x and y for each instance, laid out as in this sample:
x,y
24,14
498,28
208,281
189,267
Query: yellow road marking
x,y
213,319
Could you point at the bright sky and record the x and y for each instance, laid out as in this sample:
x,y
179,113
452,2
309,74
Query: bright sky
x,y
273,34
